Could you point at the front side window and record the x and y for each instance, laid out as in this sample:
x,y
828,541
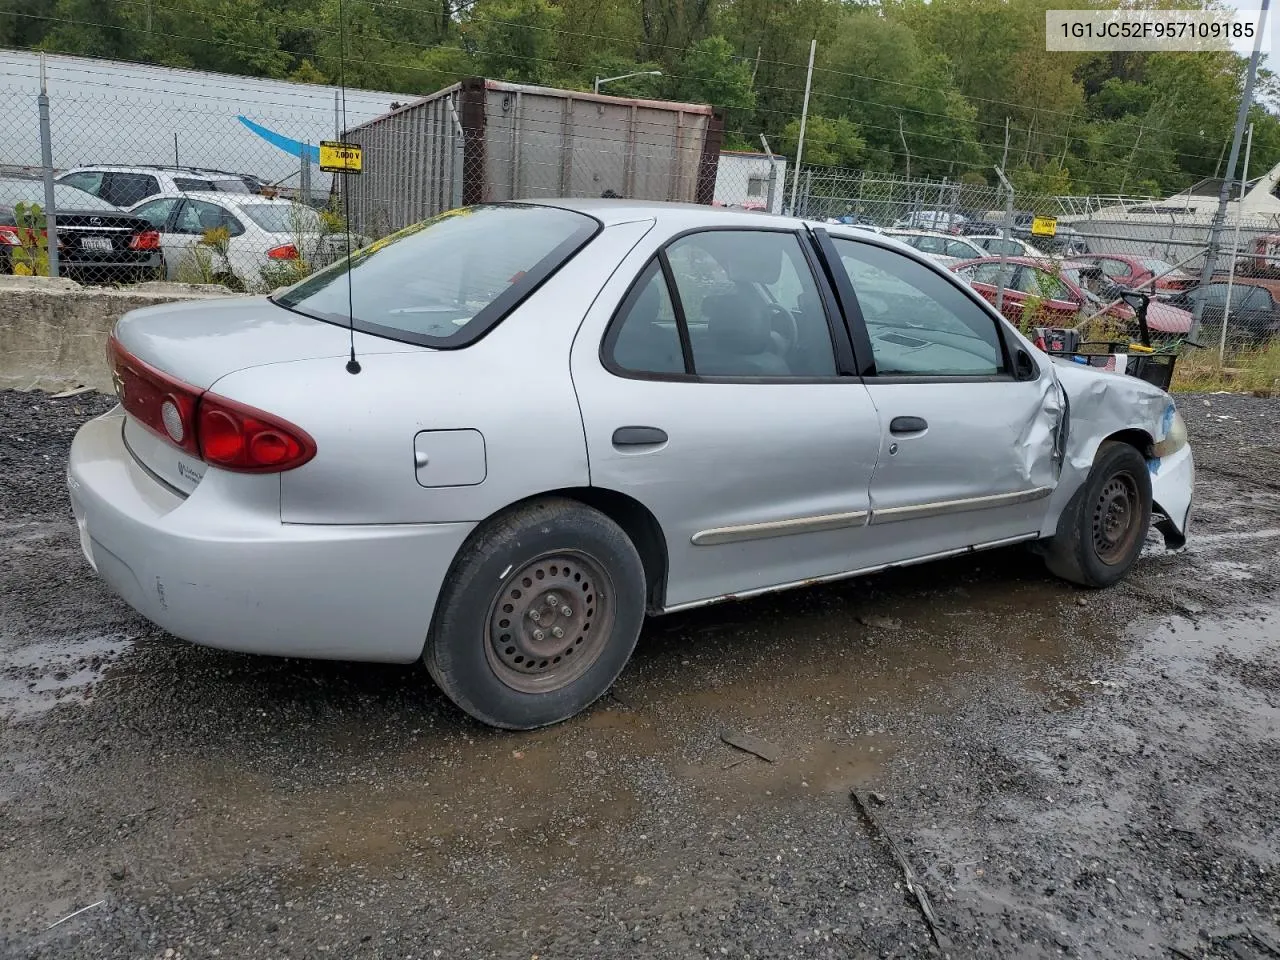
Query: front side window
x,y
920,324
186,184
447,280
197,217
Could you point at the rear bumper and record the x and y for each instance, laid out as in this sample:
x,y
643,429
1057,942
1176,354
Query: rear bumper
x,y
218,568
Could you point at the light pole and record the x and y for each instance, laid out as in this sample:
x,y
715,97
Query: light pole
x,y
641,73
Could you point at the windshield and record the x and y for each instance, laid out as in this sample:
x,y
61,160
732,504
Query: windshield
x,y
446,281
282,217
67,198
1159,266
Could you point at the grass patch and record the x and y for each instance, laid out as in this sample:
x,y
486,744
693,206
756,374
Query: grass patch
x,y
1255,371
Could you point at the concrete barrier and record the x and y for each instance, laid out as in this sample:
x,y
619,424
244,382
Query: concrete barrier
x,y
53,333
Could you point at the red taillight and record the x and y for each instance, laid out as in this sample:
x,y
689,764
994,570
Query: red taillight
x,y
222,432
146,240
162,404
9,237
239,437
286,251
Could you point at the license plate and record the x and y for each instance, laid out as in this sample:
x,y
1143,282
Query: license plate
x,y
96,243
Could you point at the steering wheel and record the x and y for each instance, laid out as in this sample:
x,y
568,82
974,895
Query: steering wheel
x,y
780,317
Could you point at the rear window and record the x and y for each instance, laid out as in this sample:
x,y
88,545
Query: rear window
x,y
446,281
282,217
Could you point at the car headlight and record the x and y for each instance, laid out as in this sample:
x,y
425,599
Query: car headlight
x,y
1175,437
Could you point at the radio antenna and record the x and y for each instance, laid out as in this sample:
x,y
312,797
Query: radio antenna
x,y
353,365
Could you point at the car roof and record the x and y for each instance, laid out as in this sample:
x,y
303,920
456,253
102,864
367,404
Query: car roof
x,y
143,168
221,196
611,212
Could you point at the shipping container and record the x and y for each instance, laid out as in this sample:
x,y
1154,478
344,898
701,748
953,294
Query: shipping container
x,y
488,140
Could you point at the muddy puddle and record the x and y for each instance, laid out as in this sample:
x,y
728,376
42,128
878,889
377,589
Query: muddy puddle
x,y
40,676
838,681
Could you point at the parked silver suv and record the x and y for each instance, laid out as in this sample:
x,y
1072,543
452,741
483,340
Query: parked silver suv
x,y
125,186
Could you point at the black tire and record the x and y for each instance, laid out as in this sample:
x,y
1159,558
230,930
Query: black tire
x,y
591,569
1101,531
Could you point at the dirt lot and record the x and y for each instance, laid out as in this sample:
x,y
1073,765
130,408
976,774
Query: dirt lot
x,y
1067,773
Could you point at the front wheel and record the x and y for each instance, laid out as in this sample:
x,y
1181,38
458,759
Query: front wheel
x,y
1104,525
538,616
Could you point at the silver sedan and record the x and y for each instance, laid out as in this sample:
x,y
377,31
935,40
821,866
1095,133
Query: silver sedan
x,y
509,433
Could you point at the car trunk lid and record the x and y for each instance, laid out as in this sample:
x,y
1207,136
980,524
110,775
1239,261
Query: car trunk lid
x,y
179,351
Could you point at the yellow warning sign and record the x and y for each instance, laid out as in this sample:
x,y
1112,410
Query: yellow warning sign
x,y
1044,226
338,157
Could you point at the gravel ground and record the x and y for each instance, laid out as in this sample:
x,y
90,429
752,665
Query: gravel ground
x,y
1066,773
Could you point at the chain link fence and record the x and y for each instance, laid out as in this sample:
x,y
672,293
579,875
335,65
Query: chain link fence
x,y
221,183
1099,246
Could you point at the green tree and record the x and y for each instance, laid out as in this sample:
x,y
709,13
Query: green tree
x,y
711,73
828,142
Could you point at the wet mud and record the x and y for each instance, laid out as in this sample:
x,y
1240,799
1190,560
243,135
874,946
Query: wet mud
x,y
1067,772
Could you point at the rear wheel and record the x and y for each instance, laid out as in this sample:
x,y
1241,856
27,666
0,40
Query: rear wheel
x,y
538,616
1103,527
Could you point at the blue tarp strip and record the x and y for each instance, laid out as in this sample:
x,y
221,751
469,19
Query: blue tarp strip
x,y
295,148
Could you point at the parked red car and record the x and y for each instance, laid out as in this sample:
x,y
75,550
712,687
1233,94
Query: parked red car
x,y
1066,292
1127,271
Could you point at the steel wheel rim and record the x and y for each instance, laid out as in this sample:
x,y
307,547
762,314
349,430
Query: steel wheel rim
x,y
549,621
1115,518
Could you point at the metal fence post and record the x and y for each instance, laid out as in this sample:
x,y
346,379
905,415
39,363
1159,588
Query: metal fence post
x,y
46,162
1008,230
304,184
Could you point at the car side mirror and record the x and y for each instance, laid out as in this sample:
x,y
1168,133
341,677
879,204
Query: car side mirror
x,y
1024,368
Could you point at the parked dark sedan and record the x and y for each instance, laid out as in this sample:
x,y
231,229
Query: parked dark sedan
x,y
1255,308
97,243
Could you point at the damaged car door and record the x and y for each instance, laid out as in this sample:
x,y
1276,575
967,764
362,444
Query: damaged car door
x,y
970,421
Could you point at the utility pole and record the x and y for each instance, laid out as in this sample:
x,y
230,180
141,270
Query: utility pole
x,y
804,119
1224,192
905,149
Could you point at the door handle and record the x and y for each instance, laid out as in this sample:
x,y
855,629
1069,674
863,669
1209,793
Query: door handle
x,y
638,436
900,425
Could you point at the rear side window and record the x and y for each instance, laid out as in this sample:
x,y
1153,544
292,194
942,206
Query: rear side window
x,y
126,189
746,301
198,216
292,218
186,183
444,282
88,180
647,338
232,185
